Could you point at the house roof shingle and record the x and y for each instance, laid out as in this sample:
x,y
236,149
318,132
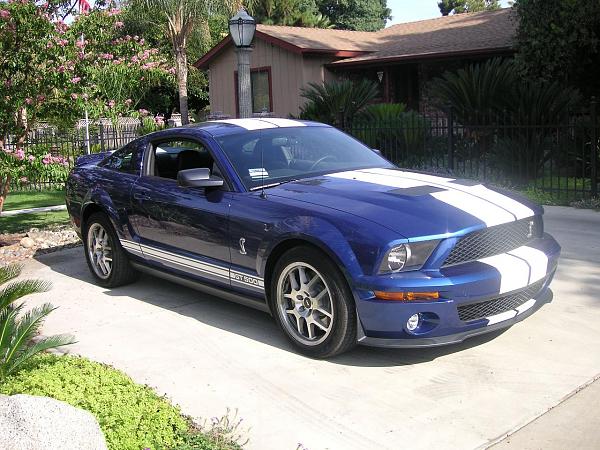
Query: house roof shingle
x,y
456,34
460,33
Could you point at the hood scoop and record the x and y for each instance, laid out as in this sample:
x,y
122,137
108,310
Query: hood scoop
x,y
416,191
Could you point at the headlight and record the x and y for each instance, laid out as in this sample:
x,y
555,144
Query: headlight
x,y
406,257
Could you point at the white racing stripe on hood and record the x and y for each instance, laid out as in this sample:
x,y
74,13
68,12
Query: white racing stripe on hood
x,y
518,268
485,211
519,210
382,180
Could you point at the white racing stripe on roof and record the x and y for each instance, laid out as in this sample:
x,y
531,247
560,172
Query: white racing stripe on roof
x,y
381,180
487,212
248,124
261,123
284,123
519,210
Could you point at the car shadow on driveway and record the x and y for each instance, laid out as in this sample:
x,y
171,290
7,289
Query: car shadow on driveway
x,y
239,319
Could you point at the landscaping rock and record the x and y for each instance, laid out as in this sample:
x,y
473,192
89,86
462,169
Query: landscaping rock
x,y
35,423
19,246
27,242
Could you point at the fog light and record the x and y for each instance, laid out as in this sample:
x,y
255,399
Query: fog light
x,y
413,322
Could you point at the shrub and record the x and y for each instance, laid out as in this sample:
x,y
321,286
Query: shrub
x,y
398,133
18,328
131,416
587,203
337,102
382,112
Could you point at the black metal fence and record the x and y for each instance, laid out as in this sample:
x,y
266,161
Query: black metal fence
x,y
556,158
69,144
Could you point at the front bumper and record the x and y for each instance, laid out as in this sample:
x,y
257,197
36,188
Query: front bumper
x,y
383,322
436,341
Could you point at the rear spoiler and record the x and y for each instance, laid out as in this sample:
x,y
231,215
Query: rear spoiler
x,y
89,160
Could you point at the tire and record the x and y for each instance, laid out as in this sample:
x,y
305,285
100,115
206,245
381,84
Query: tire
x,y
116,272
317,315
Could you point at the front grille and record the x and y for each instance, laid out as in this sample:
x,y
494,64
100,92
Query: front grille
x,y
493,241
487,308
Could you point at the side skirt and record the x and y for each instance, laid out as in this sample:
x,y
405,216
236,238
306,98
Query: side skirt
x,y
227,295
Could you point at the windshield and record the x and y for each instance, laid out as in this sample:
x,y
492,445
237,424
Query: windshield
x,y
277,155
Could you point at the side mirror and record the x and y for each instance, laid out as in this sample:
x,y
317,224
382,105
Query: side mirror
x,y
198,178
376,150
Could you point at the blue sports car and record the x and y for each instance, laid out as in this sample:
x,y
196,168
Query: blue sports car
x,y
303,221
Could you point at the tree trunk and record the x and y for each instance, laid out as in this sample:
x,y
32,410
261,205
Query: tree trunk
x,y
4,185
182,74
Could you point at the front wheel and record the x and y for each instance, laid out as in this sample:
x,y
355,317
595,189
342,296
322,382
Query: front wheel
x,y
104,254
312,303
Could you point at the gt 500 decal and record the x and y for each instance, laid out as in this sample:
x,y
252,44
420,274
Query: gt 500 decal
x,y
247,279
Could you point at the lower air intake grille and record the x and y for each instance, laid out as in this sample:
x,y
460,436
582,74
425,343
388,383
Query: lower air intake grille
x,y
487,308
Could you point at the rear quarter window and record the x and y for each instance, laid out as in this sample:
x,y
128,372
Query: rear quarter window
x,y
123,160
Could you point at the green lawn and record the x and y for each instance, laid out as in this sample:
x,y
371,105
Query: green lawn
x,y
33,199
23,222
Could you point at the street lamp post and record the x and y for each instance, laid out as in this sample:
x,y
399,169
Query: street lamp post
x,y
242,27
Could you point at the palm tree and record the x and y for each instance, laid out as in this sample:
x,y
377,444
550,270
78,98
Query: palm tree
x,y
179,18
18,328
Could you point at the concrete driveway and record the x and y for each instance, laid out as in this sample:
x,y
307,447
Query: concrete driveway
x,y
207,354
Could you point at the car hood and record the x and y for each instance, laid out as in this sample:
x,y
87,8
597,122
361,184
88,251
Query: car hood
x,y
412,204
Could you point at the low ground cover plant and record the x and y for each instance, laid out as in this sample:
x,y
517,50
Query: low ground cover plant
x,y
131,416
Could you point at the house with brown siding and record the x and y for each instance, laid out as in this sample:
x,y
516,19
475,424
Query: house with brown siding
x,y
401,59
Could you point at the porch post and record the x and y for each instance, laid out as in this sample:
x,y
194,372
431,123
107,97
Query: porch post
x,y
244,87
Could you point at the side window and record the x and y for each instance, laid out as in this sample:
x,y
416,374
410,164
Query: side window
x,y
174,155
122,160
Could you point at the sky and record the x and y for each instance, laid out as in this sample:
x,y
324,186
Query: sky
x,y
411,10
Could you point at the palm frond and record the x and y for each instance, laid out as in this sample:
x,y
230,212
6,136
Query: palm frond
x,y
27,327
337,102
18,289
9,272
8,326
41,345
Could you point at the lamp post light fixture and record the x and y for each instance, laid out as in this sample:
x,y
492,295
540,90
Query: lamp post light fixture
x,y
242,28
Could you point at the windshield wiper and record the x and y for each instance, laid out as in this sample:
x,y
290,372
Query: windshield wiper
x,y
270,185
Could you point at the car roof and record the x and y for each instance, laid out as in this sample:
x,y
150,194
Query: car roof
x,y
233,126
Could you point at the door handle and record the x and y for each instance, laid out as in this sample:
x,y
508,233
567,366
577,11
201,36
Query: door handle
x,y
140,196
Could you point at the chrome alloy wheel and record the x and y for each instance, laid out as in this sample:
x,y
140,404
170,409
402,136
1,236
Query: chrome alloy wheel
x,y
304,303
99,250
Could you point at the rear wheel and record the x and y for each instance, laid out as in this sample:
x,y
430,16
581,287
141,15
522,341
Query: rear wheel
x,y
312,303
105,256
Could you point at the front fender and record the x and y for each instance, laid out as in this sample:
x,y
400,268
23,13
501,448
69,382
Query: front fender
x,y
346,242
